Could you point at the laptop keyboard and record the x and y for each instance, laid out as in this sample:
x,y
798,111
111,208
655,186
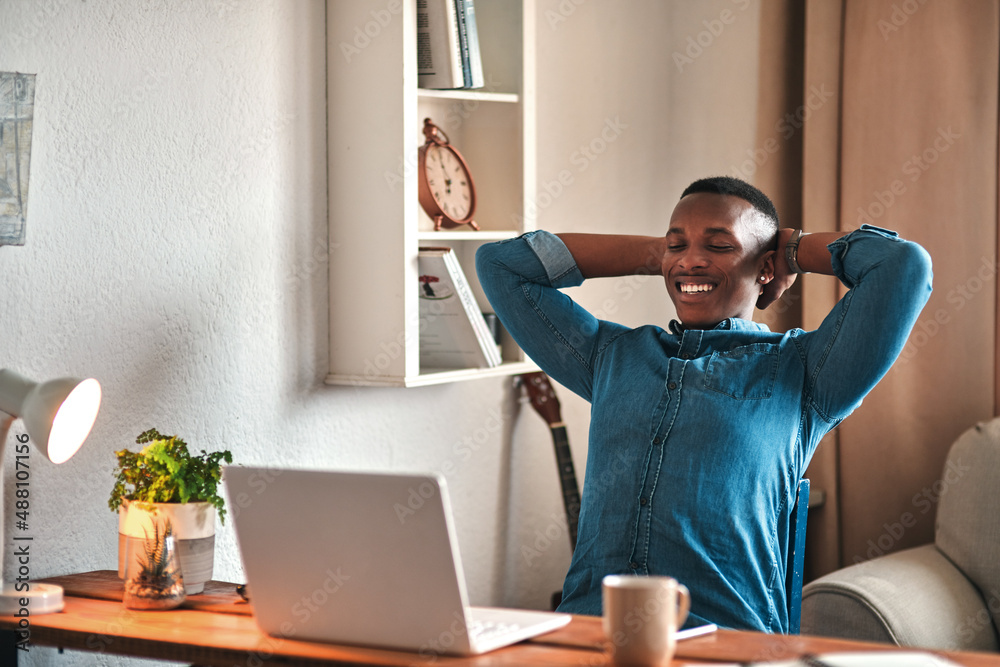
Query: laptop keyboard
x,y
488,629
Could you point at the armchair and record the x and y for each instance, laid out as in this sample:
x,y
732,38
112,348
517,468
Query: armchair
x,y
943,595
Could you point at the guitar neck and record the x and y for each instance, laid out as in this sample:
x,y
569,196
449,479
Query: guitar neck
x,y
544,401
567,478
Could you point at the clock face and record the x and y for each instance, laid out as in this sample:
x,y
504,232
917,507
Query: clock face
x,y
449,182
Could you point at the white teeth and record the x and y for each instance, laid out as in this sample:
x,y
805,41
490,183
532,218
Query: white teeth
x,y
689,289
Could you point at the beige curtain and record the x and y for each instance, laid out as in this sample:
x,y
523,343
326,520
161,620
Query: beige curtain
x,y
891,111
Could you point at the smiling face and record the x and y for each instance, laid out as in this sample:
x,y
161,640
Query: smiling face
x,y
716,252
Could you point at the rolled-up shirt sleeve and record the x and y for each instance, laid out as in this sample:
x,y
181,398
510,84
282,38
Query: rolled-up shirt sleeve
x,y
521,278
889,282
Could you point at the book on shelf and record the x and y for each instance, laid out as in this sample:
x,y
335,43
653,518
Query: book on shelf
x,y
475,54
439,52
453,331
448,55
472,62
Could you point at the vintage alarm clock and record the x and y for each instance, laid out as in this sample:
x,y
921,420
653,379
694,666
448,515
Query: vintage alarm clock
x,y
447,192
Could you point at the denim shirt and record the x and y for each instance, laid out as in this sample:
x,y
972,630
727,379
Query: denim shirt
x,y
698,437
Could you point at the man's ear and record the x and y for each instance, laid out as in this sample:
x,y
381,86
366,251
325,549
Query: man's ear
x,y
777,278
767,265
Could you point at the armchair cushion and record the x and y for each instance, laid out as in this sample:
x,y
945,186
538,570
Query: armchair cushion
x,y
915,597
967,528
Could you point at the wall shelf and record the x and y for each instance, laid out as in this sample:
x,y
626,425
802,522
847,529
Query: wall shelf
x,y
458,235
375,116
472,95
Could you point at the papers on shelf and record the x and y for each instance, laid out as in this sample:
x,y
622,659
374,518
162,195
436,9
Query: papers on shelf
x,y
453,332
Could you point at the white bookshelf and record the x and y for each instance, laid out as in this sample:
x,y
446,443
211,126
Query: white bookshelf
x,y
375,115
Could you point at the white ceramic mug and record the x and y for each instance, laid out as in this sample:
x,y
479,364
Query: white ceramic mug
x,y
641,616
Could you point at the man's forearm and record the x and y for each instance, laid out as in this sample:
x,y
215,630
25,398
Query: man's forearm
x,y
606,255
813,256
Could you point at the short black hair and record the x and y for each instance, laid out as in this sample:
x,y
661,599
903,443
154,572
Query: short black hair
x,y
727,185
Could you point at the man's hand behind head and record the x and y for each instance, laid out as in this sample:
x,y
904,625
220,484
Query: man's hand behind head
x,y
783,276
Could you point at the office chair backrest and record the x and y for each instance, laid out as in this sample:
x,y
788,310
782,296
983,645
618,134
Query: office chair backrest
x,y
796,556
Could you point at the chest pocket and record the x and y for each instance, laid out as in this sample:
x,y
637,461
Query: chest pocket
x,y
745,373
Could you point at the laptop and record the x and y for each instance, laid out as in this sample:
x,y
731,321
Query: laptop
x,y
363,558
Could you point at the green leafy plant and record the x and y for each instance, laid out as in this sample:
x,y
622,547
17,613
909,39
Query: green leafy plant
x,y
166,472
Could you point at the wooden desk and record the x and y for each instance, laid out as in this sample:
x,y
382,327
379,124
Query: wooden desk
x,y
217,630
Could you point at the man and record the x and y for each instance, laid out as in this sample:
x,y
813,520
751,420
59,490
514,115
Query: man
x,y
700,433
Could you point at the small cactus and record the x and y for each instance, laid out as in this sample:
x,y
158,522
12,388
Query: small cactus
x,y
156,582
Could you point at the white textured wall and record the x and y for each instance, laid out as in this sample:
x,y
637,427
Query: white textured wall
x,y
176,250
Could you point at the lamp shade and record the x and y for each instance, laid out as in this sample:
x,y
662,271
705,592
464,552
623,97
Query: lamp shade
x,y
57,414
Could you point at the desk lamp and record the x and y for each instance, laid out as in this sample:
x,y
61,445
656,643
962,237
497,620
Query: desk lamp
x,y
58,416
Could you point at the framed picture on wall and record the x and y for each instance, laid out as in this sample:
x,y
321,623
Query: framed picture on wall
x,y
17,102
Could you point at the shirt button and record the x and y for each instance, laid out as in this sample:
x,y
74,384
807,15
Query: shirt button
x,y
642,501
685,356
656,440
634,566
672,385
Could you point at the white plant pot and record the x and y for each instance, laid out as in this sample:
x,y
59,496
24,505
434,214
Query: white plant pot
x,y
194,533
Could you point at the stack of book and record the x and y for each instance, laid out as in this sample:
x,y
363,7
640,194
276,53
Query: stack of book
x,y
453,331
448,54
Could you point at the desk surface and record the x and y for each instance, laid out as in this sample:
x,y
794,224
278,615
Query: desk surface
x,y
217,629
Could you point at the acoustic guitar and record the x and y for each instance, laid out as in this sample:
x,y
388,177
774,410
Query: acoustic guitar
x,y
543,400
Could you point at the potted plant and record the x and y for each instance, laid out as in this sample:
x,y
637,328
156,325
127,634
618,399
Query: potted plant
x,y
164,480
153,578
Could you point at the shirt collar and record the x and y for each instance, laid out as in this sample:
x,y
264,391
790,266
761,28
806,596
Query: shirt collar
x,y
728,324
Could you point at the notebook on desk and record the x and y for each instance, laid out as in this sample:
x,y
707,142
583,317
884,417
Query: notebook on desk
x,y
363,558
